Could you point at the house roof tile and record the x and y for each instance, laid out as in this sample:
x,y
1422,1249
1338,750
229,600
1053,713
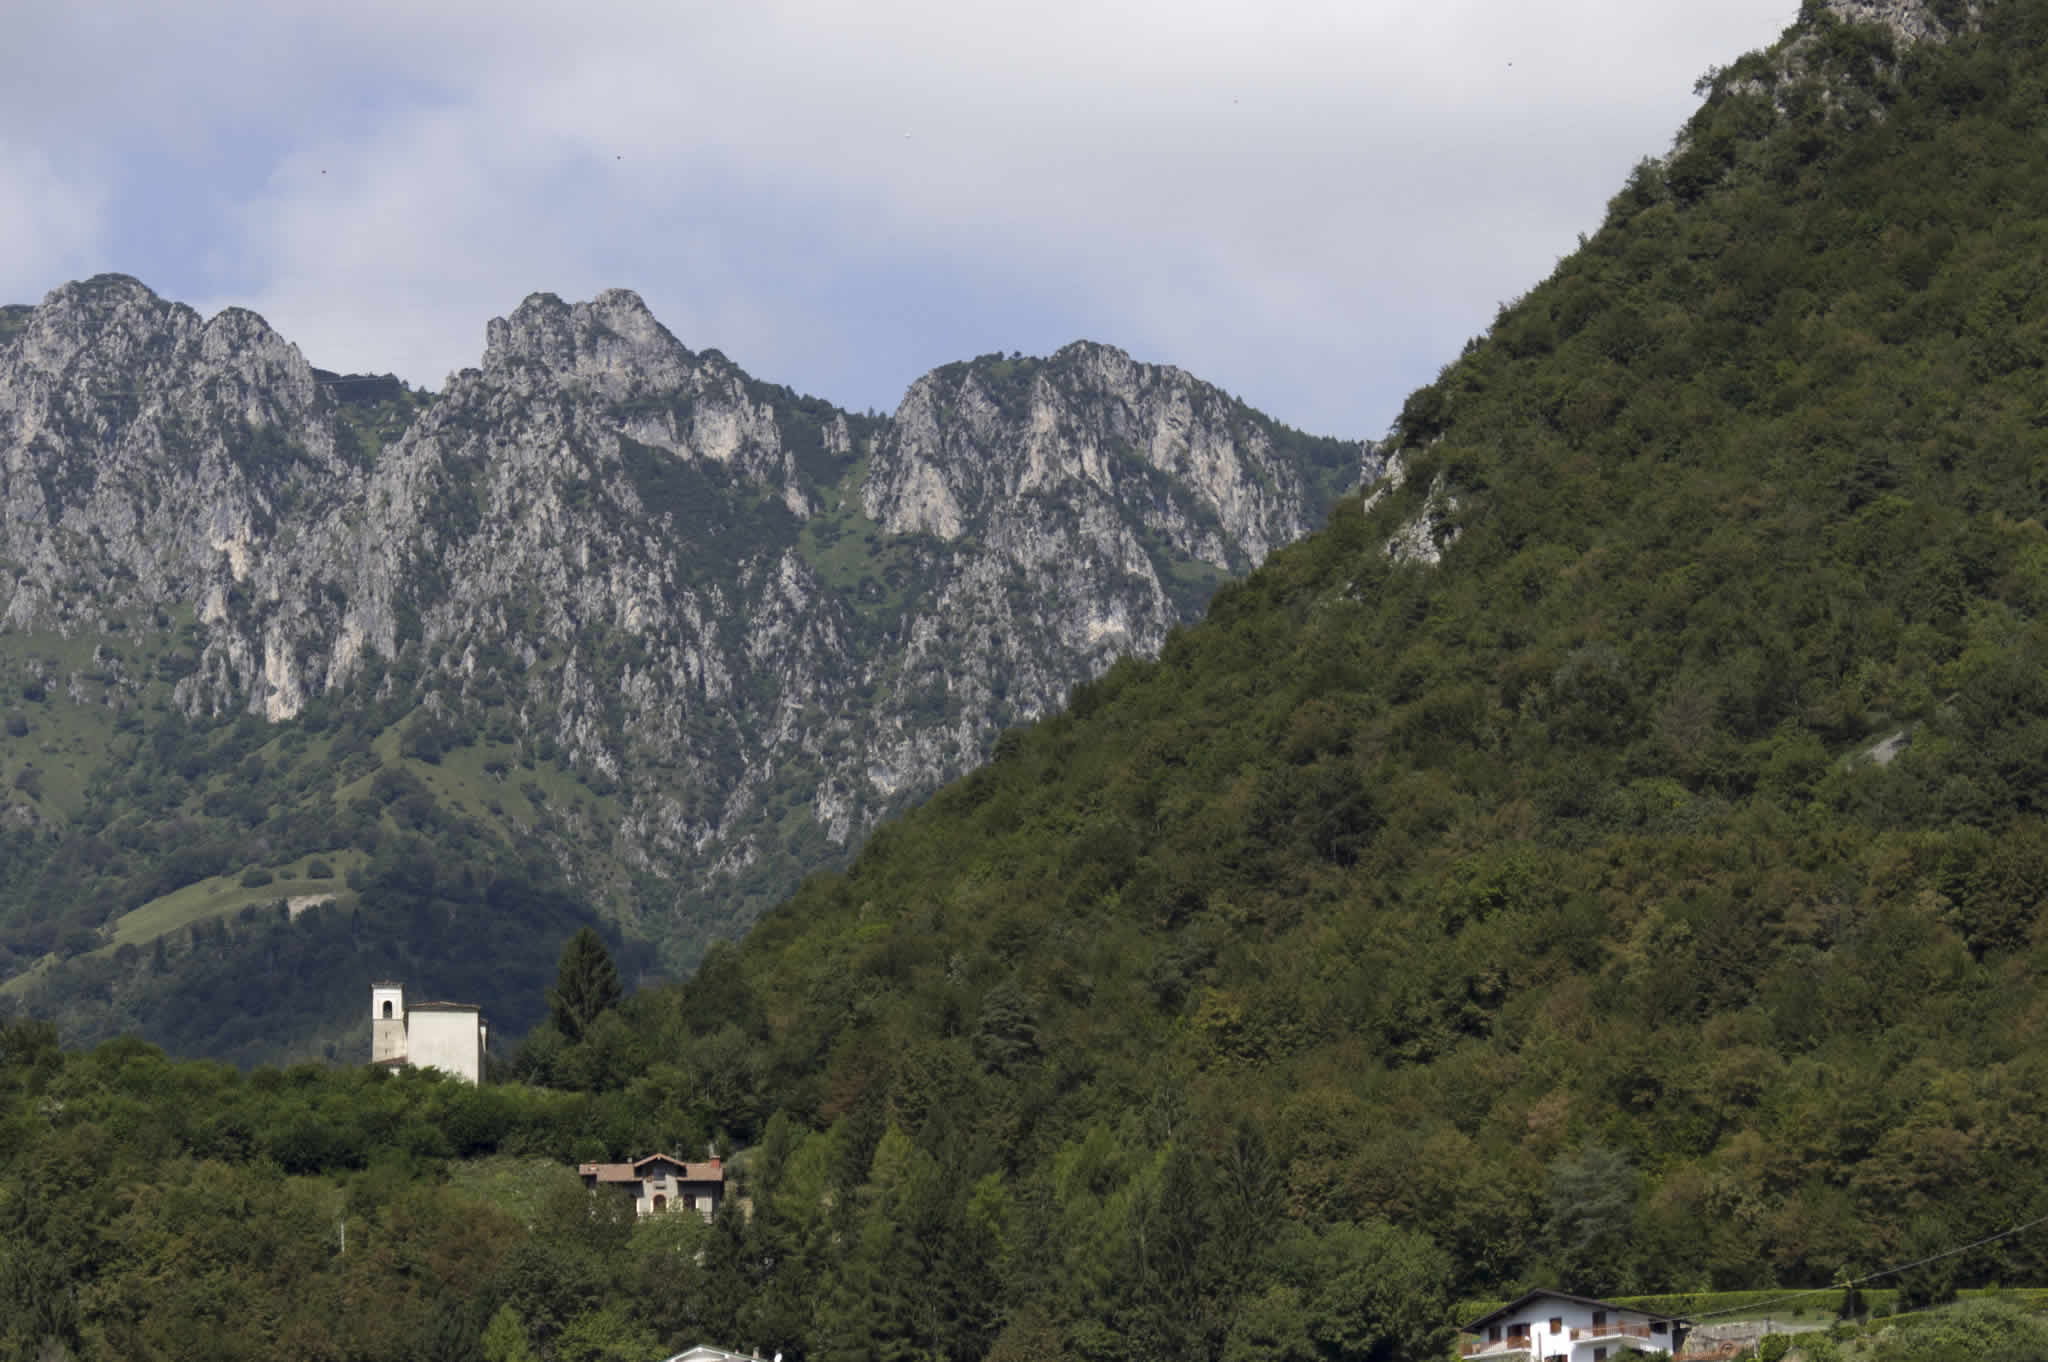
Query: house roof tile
x,y
1530,1298
712,1171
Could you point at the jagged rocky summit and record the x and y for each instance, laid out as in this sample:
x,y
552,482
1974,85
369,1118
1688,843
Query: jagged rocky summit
x,y
751,623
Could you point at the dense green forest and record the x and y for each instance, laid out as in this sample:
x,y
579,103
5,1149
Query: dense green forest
x,y
1645,897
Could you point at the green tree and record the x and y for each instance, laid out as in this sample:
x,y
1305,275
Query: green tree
x,y
1592,1206
1271,1327
606,1335
1933,1280
1378,1294
586,984
1006,1032
505,1338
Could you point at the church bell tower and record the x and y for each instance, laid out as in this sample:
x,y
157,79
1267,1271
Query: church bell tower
x,y
387,1023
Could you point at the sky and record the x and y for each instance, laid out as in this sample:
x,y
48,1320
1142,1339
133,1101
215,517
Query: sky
x,y
1312,205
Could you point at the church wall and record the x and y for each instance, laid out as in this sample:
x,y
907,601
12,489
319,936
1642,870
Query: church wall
x,y
451,1041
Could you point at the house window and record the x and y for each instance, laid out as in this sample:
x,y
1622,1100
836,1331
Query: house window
x,y
1656,1326
1493,1333
1599,1318
1557,1324
1599,1355
690,1201
661,1203
387,1009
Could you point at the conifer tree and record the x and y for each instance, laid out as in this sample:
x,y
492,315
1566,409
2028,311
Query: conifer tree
x,y
586,984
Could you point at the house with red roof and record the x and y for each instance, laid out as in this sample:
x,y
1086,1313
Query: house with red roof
x,y
662,1182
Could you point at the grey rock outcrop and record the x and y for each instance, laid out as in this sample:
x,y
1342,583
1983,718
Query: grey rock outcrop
x,y
1910,21
146,453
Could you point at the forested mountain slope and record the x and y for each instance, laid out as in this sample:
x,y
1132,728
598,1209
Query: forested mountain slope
x,y
1615,850
606,624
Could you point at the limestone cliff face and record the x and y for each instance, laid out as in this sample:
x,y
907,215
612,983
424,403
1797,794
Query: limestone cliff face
x,y
756,623
1088,425
1101,498
147,455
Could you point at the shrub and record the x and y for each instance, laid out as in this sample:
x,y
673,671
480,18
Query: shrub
x,y
317,869
255,877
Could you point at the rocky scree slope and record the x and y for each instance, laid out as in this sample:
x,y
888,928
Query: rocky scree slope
x,y
748,623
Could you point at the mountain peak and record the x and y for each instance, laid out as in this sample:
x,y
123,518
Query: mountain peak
x,y
1088,349
623,304
114,322
611,344
106,311
103,289
976,436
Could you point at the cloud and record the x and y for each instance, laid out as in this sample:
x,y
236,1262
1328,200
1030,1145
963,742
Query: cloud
x,y
1311,204
51,223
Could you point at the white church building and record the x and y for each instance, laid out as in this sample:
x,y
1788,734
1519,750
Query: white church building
x,y
445,1036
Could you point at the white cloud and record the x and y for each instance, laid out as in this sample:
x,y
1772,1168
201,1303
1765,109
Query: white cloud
x,y
1309,203
50,223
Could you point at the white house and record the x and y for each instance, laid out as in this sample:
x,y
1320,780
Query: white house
x,y
445,1036
661,1182
1554,1324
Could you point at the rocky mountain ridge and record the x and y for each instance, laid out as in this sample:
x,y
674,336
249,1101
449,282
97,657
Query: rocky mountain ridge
x,y
750,624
